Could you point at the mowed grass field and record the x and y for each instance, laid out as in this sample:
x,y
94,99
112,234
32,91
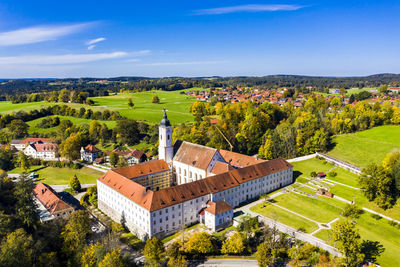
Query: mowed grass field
x,y
76,121
177,105
370,146
323,209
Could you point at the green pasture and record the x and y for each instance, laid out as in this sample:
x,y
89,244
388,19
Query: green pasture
x,y
370,146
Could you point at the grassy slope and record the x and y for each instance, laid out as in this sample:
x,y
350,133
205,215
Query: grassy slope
x,y
285,217
367,146
77,121
177,105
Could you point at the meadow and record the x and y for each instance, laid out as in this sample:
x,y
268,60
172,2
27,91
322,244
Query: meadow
x,y
176,104
370,146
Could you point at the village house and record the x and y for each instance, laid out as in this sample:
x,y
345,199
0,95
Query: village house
x,y
89,153
50,205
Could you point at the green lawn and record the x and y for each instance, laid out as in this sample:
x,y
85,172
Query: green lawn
x,y
177,105
77,121
284,217
370,146
345,177
376,230
52,176
304,168
320,209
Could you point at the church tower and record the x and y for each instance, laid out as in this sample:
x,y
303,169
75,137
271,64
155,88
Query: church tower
x,y
165,148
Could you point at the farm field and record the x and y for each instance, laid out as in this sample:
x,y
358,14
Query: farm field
x,y
77,121
177,105
324,210
370,146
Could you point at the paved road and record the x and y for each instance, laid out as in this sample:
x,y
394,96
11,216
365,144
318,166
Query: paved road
x,y
62,187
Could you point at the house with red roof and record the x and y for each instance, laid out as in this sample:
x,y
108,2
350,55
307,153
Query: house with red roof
x,y
89,153
50,204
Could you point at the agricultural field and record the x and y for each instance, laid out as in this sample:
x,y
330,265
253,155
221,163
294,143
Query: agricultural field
x,y
351,91
301,199
370,146
76,121
177,105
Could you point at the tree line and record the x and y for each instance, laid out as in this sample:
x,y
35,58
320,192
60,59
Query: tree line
x,y
273,131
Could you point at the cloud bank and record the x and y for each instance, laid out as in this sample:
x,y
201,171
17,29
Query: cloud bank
x,y
246,8
38,34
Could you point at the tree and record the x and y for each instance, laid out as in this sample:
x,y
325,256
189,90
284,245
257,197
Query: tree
x,y
352,211
263,254
94,131
17,249
23,161
114,158
70,147
74,234
155,100
342,91
383,88
236,244
63,96
127,131
346,238
74,183
178,261
25,206
130,103
200,243
93,254
154,251
112,259
378,186
18,128
6,158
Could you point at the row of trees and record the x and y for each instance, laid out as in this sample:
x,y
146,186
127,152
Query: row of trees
x,y
273,131
269,245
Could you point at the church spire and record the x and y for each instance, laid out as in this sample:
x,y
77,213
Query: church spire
x,y
165,122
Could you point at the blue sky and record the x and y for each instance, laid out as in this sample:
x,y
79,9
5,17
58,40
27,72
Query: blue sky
x,y
90,38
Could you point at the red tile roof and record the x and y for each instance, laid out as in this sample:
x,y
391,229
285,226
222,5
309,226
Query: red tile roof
x,y
91,149
155,200
143,169
218,208
45,147
221,167
195,155
49,199
238,160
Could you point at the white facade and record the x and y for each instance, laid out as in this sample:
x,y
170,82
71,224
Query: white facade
x,y
146,224
45,155
186,173
165,148
214,222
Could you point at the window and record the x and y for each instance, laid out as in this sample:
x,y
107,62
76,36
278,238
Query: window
x,y
168,136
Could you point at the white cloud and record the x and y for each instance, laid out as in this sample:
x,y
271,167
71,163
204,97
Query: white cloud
x,y
140,53
38,34
59,59
246,8
95,41
90,47
183,63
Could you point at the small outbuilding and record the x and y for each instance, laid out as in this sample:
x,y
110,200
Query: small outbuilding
x,y
217,215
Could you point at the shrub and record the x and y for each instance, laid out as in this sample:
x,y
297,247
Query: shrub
x,y
332,174
352,211
313,174
376,216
